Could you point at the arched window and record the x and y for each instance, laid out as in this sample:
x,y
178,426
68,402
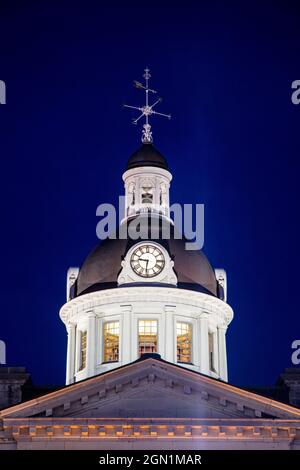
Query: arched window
x,y
147,336
111,341
184,342
147,195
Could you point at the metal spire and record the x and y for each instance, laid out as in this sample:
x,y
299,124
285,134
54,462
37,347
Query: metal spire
x,y
146,110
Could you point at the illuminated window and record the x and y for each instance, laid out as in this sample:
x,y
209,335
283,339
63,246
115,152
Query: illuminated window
x,y
184,342
147,336
111,341
82,343
211,352
147,195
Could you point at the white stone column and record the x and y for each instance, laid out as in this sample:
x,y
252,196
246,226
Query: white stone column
x,y
216,352
138,194
169,333
70,372
91,344
156,193
168,200
126,208
204,356
222,353
125,329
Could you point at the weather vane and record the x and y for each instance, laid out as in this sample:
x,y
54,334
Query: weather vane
x,y
146,110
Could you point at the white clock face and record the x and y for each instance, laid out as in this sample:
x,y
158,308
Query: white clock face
x,y
147,261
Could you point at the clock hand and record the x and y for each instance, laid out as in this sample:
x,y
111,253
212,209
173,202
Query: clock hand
x,y
147,262
144,259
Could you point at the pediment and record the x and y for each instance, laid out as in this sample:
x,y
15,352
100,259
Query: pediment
x,y
151,388
149,400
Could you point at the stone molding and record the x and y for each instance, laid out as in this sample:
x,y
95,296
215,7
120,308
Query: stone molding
x,y
86,302
102,390
124,433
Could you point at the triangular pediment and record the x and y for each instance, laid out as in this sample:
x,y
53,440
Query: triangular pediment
x,y
152,388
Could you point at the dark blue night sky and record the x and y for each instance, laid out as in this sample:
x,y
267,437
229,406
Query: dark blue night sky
x,y
225,71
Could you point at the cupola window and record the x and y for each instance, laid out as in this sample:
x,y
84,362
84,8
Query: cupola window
x,y
147,195
184,342
147,331
111,341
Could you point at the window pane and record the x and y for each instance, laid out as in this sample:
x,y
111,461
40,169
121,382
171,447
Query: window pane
x,y
83,341
184,342
147,336
111,341
147,198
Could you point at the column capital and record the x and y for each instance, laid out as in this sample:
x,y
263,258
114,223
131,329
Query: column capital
x,y
90,314
170,308
222,327
70,327
203,316
126,308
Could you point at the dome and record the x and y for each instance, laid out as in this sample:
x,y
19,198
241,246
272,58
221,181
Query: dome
x,y
101,268
147,155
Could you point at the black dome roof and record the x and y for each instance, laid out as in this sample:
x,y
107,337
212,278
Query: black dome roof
x,y
147,155
101,268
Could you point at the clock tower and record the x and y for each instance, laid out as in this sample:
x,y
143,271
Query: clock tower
x,y
146,293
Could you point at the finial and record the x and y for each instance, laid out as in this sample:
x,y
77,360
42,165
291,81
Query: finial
x,y
146,110
147,134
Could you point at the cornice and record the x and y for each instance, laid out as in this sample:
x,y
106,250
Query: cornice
x,y
151,428
209,304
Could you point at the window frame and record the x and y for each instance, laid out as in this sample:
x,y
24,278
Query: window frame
x,y
104,323
147,194
191,326
156,320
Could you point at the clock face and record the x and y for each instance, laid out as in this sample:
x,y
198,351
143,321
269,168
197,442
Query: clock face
x,y
147,261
